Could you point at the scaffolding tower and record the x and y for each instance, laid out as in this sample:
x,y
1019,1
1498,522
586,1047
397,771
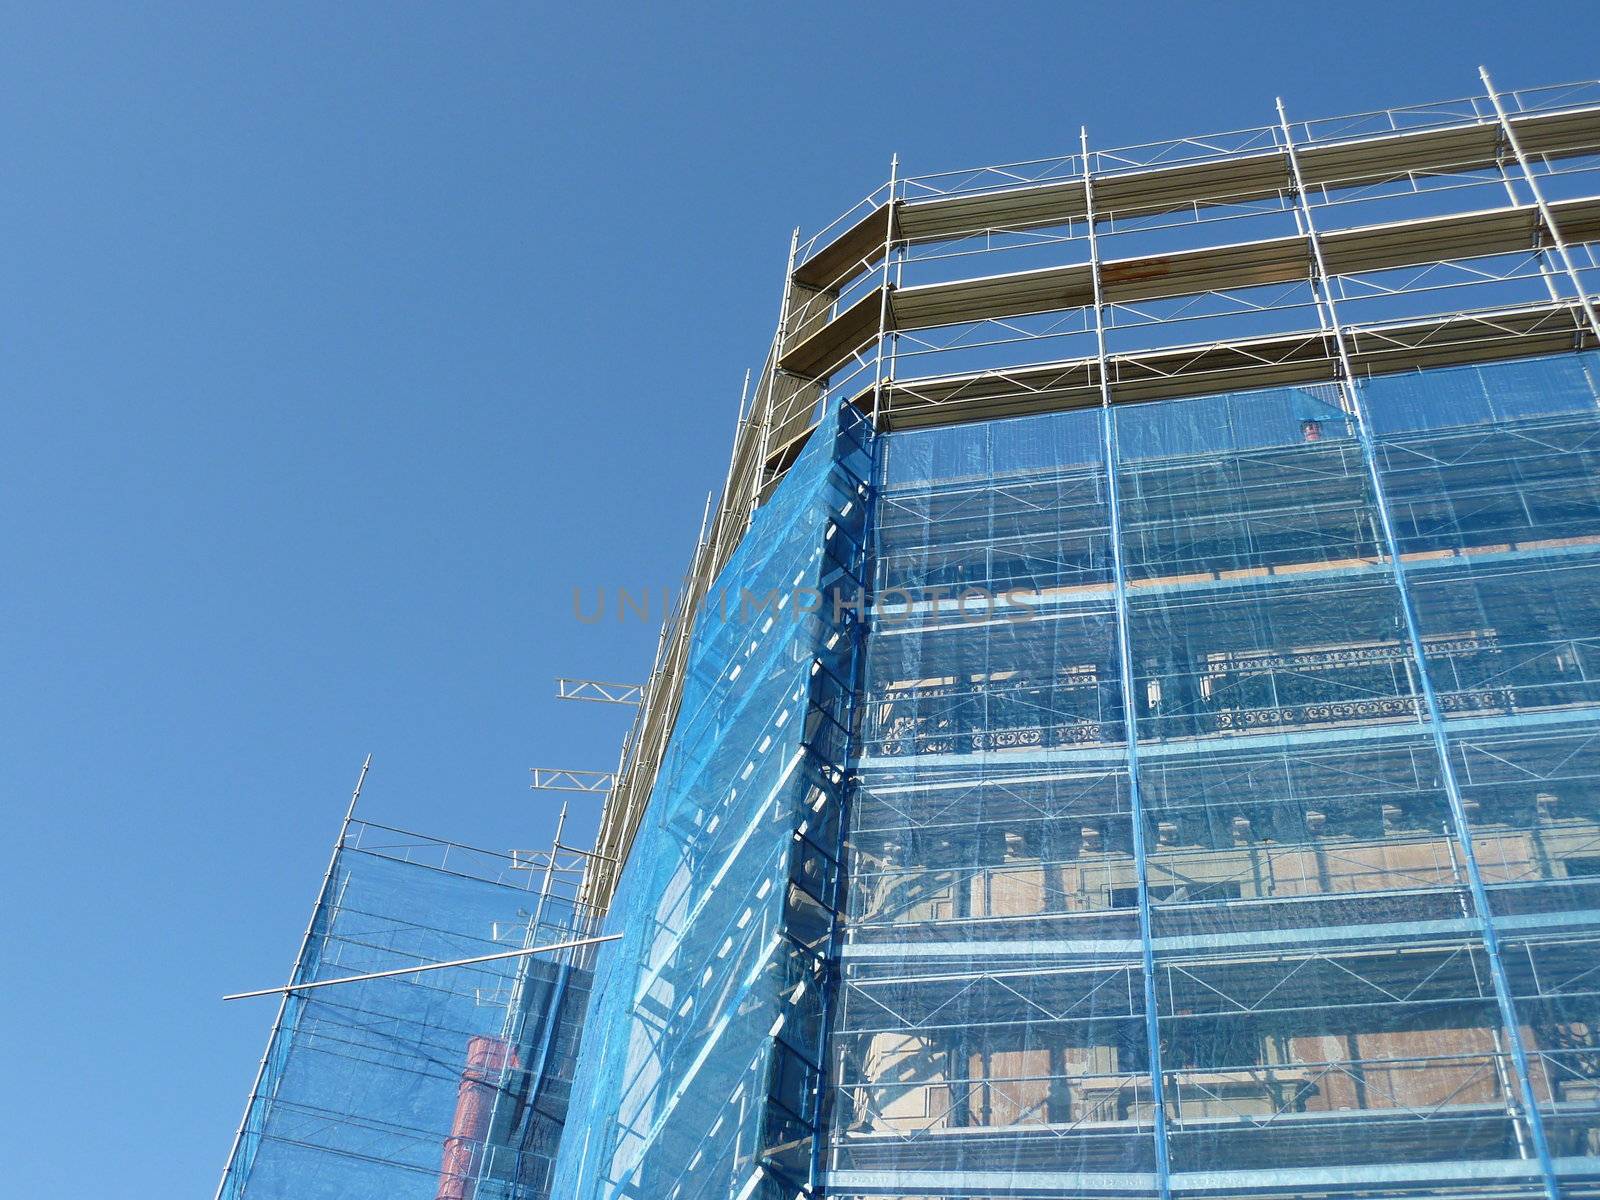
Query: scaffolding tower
x,y
1244,851
1166,762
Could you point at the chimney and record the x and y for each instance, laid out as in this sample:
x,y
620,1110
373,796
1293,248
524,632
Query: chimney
x,y
487,1058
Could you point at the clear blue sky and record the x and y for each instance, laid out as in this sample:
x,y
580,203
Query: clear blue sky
x,y
339,342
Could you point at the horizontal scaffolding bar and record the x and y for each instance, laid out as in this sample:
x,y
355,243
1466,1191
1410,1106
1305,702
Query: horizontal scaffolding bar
x,y
421,967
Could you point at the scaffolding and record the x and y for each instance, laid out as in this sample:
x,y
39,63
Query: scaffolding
x,y
1186,869
714,1006
422,1047
1242,848
1452,232
1161,757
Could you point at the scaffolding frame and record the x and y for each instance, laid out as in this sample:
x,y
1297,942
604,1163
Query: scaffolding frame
x,y
845,312
598,691
1441,279
1255,855
404,1002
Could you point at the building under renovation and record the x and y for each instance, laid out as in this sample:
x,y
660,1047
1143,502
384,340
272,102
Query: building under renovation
x,y
1129,728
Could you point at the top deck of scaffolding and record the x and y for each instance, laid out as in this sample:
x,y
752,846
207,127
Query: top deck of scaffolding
x,y
1170,175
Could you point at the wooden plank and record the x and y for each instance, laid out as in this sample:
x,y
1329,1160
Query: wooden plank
x,y
830,345
1010,208
852,251
1012,295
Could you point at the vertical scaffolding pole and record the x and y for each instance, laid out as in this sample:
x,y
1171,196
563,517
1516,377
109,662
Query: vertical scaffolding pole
x,y
1327,315
1130,718
514,1028
1546,272
1546,217
765,406
746,414
294,976
883,295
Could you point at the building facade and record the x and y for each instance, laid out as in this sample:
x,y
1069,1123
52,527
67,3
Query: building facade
x,y
1131,727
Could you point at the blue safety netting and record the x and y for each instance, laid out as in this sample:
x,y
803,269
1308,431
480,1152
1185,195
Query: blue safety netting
x,y
446,1085
1256,852
700,1074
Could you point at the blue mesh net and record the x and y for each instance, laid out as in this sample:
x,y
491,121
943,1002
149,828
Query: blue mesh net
x,y
702,1077
443,1085
1343,930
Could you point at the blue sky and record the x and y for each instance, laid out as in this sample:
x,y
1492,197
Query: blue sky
x,y
338,343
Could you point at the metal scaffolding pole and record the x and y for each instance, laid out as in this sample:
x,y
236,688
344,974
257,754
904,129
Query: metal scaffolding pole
x,y
294,973
421,968
765,406
1504,1000
1508,131
1130,717
878,378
